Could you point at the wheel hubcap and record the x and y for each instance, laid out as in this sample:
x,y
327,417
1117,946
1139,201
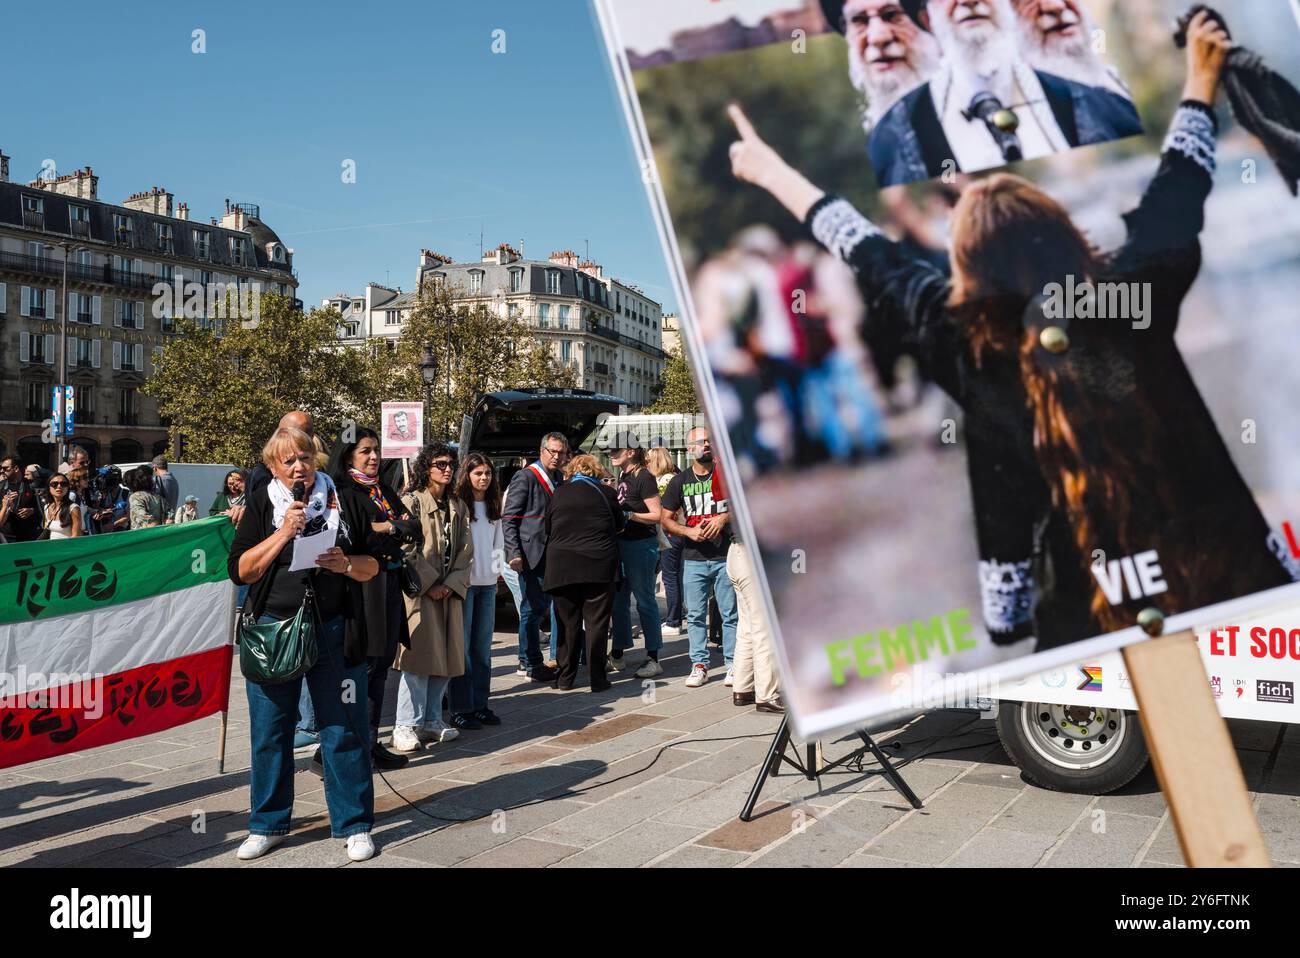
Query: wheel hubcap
x,y
1073,736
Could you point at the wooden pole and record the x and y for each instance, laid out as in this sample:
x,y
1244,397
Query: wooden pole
x,y
1193,755
225,713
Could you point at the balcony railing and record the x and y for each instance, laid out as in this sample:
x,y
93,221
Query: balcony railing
x,y
614,336
77,272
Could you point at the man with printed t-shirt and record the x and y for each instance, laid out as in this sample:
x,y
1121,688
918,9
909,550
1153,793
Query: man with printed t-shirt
x,y
707,532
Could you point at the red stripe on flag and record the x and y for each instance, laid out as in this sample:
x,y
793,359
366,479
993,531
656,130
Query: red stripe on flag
x,y
124,705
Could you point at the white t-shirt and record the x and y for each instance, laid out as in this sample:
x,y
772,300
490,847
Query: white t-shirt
x,y
489,543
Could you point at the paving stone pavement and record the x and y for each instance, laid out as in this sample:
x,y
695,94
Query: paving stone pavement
x,y
649,773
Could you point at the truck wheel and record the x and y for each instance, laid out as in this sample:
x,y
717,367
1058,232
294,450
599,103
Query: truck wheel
x,y
1073,748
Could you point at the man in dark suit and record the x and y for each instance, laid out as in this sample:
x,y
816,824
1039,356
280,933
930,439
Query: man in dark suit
x,y
523,521
934,130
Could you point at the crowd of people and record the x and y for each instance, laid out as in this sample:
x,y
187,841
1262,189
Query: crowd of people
x,y
410,585
79,500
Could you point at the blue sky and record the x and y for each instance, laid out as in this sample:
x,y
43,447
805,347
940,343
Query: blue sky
x,y
446,134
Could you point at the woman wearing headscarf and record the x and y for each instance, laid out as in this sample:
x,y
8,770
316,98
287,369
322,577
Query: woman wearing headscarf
x,y
1079,441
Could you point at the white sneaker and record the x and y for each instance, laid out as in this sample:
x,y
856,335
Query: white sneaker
x,y
255,846
699,675
613,664
730,679
439,731
522,669
671,630
649,669
360,847
406,739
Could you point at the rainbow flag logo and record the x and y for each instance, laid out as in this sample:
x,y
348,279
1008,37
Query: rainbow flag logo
x,y
1091,678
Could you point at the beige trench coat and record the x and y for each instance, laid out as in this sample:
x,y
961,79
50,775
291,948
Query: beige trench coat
x,y
438,628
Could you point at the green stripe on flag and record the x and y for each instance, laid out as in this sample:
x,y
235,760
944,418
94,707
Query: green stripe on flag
x,y
40,580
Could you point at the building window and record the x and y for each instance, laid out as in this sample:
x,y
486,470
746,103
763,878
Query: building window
x,y
391,318
543,314
39,305
564,317
565,350
126,407
38,399
123,228
475,282
33,212
85,355
516,280
205,278
79,219
166,272
84,308
164,237
513,310
201,244
553,282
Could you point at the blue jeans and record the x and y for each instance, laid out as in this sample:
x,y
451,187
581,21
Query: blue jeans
x,y
672,566
516,588
469,692
338,694
419,699
533,604
698,577
637,557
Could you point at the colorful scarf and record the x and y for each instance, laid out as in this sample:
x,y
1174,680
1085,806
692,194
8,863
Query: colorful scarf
x,y
376,494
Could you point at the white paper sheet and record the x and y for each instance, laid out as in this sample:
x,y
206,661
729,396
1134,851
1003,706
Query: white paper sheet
x,y
306,549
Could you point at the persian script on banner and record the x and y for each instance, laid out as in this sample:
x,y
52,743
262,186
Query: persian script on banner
x,y
107,638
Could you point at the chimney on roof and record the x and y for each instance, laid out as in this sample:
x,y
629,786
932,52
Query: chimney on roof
x,y
432,259
591,268
4,167
183,211
565,257
157,201
82,184
504,253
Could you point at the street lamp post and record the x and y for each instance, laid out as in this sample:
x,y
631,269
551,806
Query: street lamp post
x,y
62,405
428,373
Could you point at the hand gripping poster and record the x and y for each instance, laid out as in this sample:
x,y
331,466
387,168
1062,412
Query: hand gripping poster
x,y
992,307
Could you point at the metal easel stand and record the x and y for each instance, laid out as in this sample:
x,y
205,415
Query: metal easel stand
x,y
807,766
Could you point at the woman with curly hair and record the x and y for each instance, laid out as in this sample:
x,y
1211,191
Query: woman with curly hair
x,y
1095,438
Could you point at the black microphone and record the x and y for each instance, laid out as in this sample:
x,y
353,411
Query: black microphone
x,y
1000,122
299,492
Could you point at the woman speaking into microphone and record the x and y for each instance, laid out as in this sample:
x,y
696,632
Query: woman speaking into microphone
x,y
299,500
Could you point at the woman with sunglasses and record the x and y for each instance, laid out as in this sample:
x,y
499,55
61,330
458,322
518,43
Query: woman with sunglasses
x,y
62,515
436,619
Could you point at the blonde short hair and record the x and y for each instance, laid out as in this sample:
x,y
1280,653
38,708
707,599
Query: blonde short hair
x,y
587,465
284,439
659,462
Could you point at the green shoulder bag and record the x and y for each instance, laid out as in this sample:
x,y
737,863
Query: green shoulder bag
x,y
271,653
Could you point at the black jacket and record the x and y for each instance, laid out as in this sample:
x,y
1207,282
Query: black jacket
x,y
583,524
255,526
369,630
523,517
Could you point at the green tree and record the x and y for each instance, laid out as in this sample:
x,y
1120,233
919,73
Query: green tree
x,y
223,387
476,350
676,388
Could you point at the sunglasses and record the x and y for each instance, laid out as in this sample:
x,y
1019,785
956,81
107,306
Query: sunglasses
x,y
58,485
443,464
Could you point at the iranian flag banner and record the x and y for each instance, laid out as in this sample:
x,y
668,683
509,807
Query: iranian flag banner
x,y
110,637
